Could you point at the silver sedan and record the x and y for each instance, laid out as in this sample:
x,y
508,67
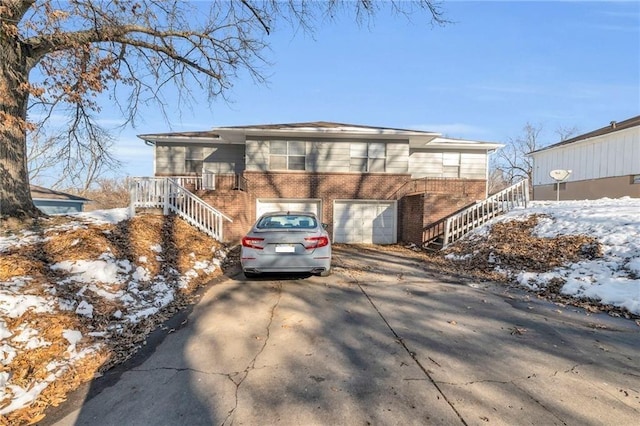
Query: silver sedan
x,y
286,242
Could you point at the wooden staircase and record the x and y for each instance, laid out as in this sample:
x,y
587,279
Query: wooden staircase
x,y
453,227
171,196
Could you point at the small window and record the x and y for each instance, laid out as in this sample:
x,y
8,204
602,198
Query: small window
x,y
193,159
635,179
368,157
287,155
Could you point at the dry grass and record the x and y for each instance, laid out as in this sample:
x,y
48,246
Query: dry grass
x,y
178,246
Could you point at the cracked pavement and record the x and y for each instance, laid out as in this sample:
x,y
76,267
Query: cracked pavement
x,y
381,341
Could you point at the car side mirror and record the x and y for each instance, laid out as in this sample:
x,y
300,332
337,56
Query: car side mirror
x,y
324,225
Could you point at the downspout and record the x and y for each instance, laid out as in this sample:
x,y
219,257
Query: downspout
x,y
153,144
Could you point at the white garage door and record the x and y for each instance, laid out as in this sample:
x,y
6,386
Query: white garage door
x,y
367,221
288,204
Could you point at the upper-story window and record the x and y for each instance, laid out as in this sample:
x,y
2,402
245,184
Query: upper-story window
x,y
368,157
193,158
287,155
451,164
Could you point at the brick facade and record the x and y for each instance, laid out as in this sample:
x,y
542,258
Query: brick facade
x,y
238,205
415,211
442,198
326,186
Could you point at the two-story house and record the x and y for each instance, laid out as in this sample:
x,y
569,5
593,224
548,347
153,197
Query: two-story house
x,y
369,184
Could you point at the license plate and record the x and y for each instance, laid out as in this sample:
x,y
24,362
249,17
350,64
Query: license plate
x,y
285,249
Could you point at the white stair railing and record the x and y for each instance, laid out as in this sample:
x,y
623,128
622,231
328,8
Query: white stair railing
x,y
462,223
171,197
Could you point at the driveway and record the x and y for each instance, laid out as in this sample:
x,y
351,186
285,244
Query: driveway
x,y
384,340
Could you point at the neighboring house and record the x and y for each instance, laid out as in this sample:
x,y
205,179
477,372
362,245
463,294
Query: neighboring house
x,y
603,163
369,184
55,202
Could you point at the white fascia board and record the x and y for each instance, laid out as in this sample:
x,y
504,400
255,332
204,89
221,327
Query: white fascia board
x,y
181,139
447,143
319,132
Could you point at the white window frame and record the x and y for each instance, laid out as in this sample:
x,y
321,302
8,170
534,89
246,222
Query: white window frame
x,y
369,155
192,156
288,155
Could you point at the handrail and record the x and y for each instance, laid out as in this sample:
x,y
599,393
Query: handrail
x,y
458,225
168,194
431,185
211,181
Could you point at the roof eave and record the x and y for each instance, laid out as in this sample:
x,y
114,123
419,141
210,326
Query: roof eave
x,y
343,133
170,138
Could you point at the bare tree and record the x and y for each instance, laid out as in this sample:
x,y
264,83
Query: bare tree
x,y
512,162
40,158
105,193
71,165
512,159
565,133
497,181
61,55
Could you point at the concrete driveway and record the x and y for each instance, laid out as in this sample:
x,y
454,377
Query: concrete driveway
x,y
382,341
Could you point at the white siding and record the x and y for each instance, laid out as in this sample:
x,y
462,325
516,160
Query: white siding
x,y
425,164
397,158
328,157
473,165
257,155
429,163
224,159
611,155
169,160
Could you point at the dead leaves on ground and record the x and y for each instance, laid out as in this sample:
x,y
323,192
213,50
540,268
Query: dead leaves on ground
x,y
512,245
162,244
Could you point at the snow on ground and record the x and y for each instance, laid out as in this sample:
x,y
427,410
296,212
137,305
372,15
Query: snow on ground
x,y
612,279
106,278
105,216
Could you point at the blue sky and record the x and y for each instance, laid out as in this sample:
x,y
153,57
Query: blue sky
x,y
497,67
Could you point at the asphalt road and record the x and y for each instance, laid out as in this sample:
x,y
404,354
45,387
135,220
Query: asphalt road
x,y
381,341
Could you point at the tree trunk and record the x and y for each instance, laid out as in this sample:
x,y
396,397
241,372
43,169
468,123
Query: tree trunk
x,y
15,195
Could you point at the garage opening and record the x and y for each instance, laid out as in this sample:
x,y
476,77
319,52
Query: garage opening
x,y
365,221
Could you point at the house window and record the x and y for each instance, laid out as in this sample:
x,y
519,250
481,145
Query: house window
x,y
451,164
367,157
193,158
287,155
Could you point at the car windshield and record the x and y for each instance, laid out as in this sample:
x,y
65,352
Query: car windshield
x,y
292,221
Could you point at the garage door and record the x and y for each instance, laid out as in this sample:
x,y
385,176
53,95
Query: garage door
x,y
370,221
288,204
